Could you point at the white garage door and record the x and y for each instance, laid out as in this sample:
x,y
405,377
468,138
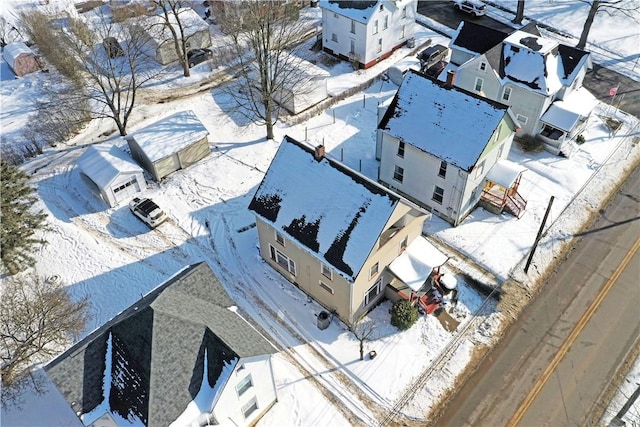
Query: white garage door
x,y
126,190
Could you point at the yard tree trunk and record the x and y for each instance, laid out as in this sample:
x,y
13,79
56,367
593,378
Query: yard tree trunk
x,y
171,11
593,10
363,329
519,13
612,7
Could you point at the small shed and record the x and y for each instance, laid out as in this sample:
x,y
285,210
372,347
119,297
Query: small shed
x,y
111,174
21,58
170,144
308,87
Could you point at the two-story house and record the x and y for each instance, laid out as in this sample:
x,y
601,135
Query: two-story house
x,y
330,230
437,143
181,355
366,32
529,73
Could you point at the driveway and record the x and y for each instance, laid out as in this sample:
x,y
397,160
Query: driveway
x,y
598,81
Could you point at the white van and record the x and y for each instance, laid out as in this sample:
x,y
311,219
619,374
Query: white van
x,y
397,71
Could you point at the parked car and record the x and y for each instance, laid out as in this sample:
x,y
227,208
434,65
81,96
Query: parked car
x,y
112,47
437,68
196,56
147,210
472,7
432,55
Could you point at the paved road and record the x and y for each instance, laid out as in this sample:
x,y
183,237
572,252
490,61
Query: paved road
x,y
572,390
598,81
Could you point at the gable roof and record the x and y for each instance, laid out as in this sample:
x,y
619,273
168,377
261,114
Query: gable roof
x,y
476,38
360,11
153,353
451,124
155,26
540,63
12,51
105,162
170,135
330,210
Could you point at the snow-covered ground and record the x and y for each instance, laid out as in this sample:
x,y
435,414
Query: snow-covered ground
x,y
108,254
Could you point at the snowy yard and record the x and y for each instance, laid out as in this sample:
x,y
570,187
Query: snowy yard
x,y
111,256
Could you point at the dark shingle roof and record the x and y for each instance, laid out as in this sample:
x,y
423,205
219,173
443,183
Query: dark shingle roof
x,y
158,347
477,38
570,57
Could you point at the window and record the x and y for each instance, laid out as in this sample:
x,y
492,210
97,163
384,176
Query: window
x,y
353,26
335,15
483,66
250,408
404,12
398,174
373,270
404,243
400,149
326,287
522,119
353,47
498,132
334,37
500,150
245,384
375,27
506,94
373,292
402,32
438,194
379,45
327,272
280,238
283,260
443,169
386,23
479,83
515,49
480,169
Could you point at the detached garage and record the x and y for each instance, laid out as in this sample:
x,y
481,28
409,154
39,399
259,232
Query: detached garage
x,y
21,59
111,173
171,144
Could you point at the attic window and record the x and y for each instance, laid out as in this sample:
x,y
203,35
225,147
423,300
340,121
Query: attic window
x,y
400,149
245,384
280,238
515,49
483,66
381,8
327,272
506,94
442,173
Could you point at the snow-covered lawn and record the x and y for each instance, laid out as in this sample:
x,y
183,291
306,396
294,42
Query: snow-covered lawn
x,y
108,254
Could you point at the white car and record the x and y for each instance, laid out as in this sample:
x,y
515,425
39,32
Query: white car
x,y
473,7
147,211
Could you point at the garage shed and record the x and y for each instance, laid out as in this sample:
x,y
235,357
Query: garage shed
x,y
170,144
111,174
21,59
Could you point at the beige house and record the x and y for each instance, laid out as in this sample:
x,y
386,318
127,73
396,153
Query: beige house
x,y
170,144
330,230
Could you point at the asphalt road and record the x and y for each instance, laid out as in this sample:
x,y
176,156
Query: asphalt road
x,y
598,81
554,347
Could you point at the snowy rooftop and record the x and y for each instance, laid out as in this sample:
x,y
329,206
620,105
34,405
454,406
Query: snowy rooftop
x,y
359,11
13,50
505,172
566,114
104,162
415,264
191,21
531,42
170,135
451,124
331,210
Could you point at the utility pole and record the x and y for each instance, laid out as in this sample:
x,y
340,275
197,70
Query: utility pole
x,y
535,243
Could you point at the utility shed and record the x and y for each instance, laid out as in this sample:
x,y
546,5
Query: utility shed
x,y
170,144
21,59
111,174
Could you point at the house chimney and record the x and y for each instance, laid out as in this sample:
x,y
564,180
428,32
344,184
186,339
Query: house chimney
x,y
319,152
451,77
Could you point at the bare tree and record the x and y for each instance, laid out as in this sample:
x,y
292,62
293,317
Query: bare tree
x,y
363,331
109,78
266,38
38,318
519,13
611,7
172,12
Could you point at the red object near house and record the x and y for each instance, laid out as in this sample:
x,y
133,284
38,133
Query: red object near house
x,y
613,91
21,59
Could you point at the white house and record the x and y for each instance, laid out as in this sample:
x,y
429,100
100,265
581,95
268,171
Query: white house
x,y
111,173
366,32
170,144
524,70
160,39
437,143
179,356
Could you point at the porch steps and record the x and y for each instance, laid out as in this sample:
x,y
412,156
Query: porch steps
x,y
515,204
569,148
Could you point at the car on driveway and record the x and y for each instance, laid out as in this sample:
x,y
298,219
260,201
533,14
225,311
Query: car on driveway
x,y
472,7
436,69
148,211
196,56
432,55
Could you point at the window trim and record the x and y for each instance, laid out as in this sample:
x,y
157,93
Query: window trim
x,y
326,287
506,93
373,273
375,27
379,45
352,47
481,81
250,407
480,168
377,286
274,253
526,119
401,148
244,385
398,172
482,66
437,194
324,267
403,244
334,37
385,23
442,173
353,26
280,239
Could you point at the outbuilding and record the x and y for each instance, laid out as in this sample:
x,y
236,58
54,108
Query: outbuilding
x,y
21,59
111,174
170,144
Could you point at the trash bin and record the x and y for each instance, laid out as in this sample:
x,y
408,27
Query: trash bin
x,y
323,320
411,42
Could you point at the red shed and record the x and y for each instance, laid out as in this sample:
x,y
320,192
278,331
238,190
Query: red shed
x,y
21,59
